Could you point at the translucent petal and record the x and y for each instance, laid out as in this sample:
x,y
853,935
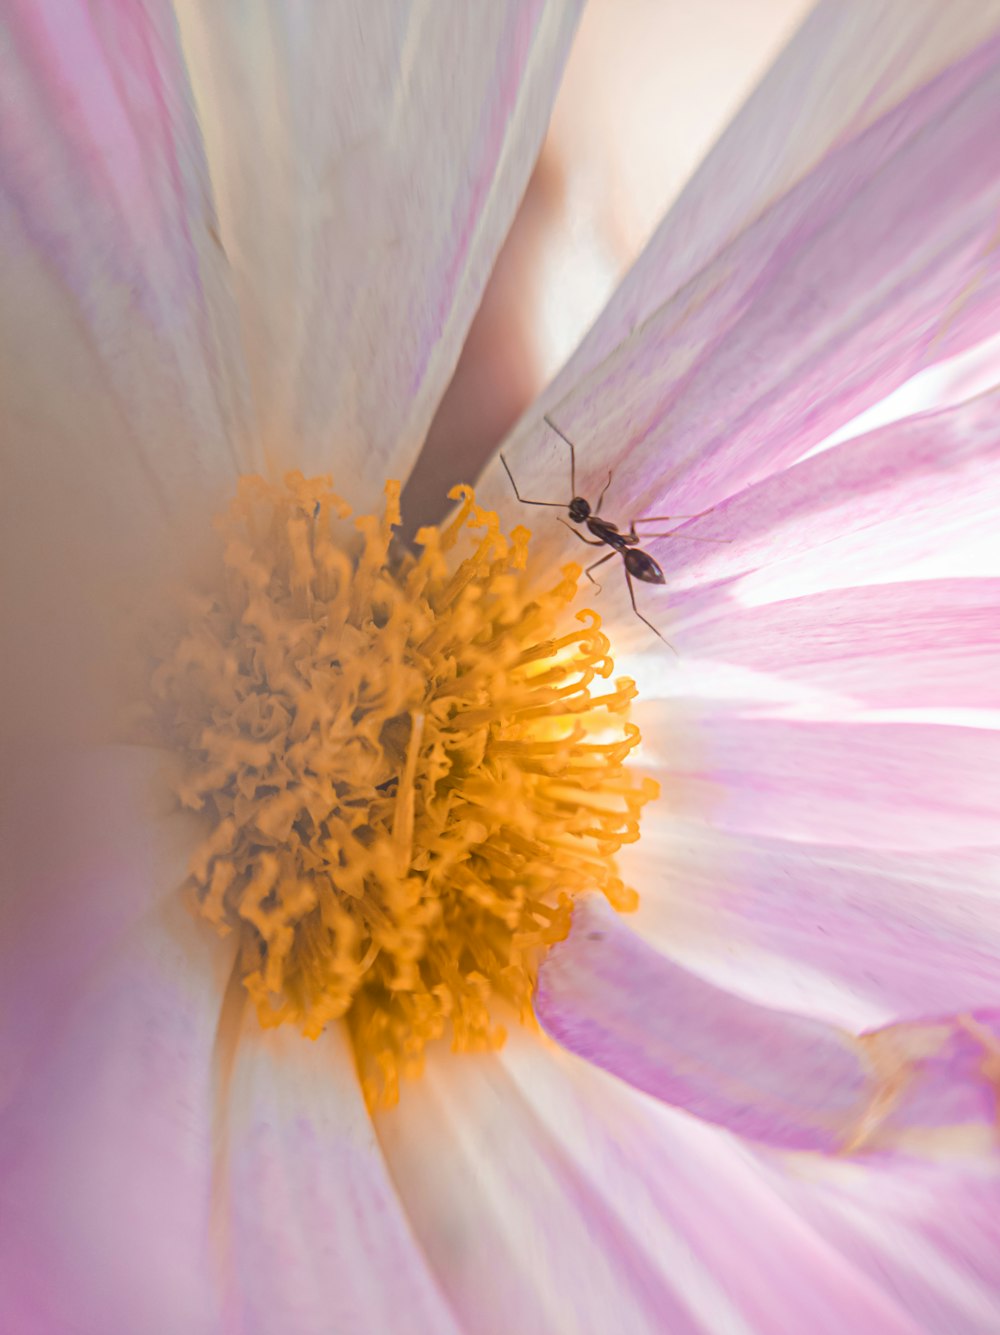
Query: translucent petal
x,y
368,160
880,260
550,1198
850,63
917,644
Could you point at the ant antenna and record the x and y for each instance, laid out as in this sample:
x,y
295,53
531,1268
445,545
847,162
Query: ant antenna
x,y
572,452
558,505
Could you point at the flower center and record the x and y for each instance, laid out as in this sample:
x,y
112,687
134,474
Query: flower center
x,y
408,772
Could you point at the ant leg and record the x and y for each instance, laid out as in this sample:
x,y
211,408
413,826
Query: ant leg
x,y
600,499
659,519
594,566
656,519
572,452
591,542
691,537
523,499
631,594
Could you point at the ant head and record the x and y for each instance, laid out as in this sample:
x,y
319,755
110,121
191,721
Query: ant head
x,y
579,509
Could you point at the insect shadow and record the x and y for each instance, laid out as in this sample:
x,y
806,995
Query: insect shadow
x,y
604,533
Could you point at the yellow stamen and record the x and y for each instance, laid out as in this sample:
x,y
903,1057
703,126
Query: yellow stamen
x,y
407,773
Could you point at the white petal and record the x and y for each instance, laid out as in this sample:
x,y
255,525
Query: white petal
x,y
91,842
368,159
316,1238
549,1198
125,416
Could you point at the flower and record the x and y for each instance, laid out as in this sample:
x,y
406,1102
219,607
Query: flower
x,y
239,246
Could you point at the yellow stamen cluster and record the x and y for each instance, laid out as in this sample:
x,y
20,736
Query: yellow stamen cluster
x,y
407,773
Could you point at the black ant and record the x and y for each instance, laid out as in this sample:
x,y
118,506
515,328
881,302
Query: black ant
x,y
608,534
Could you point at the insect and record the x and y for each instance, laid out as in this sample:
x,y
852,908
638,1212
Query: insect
x,y
604,533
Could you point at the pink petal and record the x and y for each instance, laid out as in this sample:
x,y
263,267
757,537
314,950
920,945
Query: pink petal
x,y
316,1238
768,1075
805,925
915,498
849,63
368,160
879,261
124,391
143,1171
549,1198
913,501
518,1234
90,843
867,784
927,643
107,1151
928,1234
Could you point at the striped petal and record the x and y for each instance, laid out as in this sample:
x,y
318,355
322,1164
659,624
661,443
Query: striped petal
x,y
922,644
368,160
772,1076
928,1234
315,1238
109,1001
519,1237
880,260
859,936
859,784
914,499
549,1198
162,1170
850,63
123,382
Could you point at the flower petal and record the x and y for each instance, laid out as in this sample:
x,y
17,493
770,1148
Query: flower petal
x,y
521,1235
90,843
915,499
368,160
850,62
859,784
124,389
928,1234
857,936
317,1240
882,259
549,1198
107,1154
921,644
769,1075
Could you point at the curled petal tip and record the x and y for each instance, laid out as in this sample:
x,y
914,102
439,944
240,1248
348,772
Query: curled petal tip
x,y
778,1078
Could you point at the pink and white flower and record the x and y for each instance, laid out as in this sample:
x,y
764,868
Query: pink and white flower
x,y
243,237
